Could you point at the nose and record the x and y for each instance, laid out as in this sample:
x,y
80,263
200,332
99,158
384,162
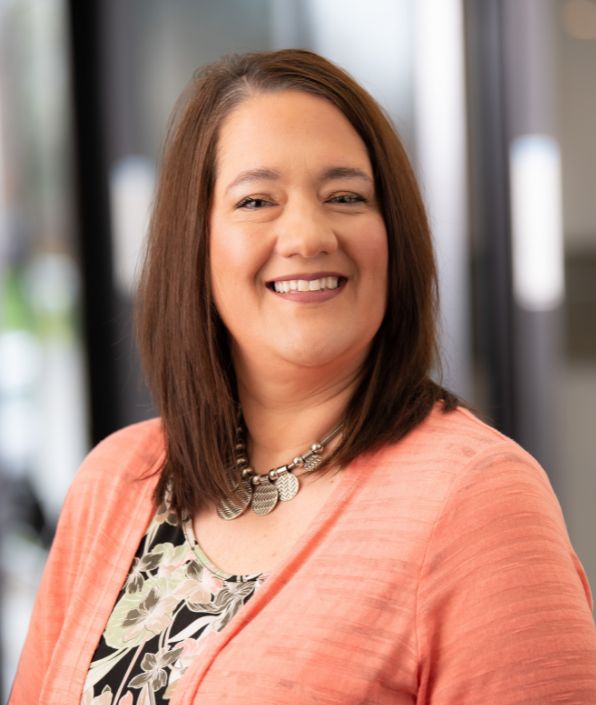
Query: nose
x,y
304,230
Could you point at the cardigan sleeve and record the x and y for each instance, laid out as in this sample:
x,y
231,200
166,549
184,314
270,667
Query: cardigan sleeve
x,y
504,607
50,606
93,524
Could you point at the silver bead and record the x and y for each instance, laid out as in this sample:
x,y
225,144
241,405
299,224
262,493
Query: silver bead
x,y
298,460
316,447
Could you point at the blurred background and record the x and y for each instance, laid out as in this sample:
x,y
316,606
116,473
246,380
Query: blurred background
x,y
496,103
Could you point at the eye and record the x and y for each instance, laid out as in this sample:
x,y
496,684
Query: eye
x,y
346,198
253,203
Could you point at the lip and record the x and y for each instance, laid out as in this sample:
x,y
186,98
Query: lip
x,y
309,297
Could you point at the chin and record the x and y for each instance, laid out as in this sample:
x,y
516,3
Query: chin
x,y
327,353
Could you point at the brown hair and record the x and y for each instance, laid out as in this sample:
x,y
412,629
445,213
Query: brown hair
x,y
181,337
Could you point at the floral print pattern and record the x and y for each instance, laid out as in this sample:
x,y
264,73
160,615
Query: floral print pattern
x,y
172,599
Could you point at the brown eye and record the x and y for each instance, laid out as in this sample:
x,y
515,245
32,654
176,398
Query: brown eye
x,y
347,199
252,203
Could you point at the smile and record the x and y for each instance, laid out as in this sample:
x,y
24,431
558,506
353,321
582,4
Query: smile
x,y
301,285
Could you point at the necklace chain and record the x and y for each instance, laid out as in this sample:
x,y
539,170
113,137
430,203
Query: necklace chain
x,y
262,492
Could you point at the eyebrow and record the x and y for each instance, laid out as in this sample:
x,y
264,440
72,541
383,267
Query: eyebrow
x,y
330,174
259,174
344,172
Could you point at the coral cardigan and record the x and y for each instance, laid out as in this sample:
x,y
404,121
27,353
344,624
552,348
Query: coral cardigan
x,y
439,573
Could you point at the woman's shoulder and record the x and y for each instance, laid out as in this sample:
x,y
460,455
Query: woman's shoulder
x,y
140,443
458,437
461,431
475,448
455,452
131,455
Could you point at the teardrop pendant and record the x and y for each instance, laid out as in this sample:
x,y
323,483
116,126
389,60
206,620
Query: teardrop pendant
x,y
287,485
265,497
233,507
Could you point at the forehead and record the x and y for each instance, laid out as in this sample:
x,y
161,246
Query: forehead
x,y
285,129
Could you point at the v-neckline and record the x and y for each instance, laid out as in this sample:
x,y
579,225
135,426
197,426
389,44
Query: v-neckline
x,y
309,539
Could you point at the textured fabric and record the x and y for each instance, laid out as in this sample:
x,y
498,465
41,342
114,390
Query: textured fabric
x,y
173,598
439,573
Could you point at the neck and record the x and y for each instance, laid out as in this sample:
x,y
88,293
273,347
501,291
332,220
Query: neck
x,y
286,411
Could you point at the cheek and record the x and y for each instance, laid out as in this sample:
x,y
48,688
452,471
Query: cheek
x,y
380,251
236,249
379,254
371,252
223,249
221,265
374,262
226,258
235,263
379,242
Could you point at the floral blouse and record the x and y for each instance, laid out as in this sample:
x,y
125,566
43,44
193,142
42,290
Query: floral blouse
x,y
173,598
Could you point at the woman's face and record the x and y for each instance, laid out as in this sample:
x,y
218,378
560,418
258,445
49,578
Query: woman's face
x,y
298,244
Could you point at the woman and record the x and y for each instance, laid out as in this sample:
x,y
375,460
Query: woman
x,y
411,555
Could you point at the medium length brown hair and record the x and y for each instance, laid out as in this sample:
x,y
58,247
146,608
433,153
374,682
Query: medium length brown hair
x,y
182,340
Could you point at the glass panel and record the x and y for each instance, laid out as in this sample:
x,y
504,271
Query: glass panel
x,y
577,115
43,424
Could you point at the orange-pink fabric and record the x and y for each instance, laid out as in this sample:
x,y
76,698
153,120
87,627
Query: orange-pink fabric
x,y
440,573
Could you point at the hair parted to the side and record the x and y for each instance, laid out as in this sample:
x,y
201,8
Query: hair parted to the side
x,y
182,340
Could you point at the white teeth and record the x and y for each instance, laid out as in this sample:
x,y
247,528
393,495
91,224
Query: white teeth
x,y
283,287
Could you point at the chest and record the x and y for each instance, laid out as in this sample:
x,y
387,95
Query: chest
x,y
253,544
